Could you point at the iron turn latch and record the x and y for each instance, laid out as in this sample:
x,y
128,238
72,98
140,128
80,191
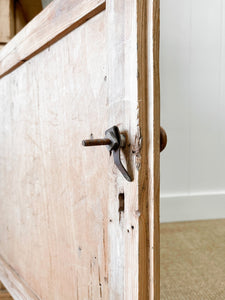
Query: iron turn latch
x,y
113,140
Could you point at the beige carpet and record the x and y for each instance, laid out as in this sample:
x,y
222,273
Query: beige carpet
x,y
193,260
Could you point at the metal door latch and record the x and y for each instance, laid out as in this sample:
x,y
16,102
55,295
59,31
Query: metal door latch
x,y
113,140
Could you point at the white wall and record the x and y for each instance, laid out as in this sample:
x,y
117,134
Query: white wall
x,y
192,59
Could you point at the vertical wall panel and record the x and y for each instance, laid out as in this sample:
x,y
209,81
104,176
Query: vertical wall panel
x,y
193,108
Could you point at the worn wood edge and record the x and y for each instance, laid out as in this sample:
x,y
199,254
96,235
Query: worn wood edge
x,y
14,283
153,109
58,19
149,121
143,247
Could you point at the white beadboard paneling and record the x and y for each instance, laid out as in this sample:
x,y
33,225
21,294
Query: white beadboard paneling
x,y
192,60
174,59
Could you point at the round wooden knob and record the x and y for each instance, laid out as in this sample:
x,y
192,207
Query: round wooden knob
x,y
163,139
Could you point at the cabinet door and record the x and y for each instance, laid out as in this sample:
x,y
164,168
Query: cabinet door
x,y
71,226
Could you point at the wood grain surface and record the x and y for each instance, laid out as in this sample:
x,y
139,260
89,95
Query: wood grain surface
x,y
123,103
66,210
6,20
18,287
154,145
50,25
134,79
54,192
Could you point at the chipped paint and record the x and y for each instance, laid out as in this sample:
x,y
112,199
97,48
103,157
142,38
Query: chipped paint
x,y
136,148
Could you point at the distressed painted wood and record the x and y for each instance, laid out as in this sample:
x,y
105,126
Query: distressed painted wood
x,y
48,27
128,82
122,98
12,281
66,210
60,210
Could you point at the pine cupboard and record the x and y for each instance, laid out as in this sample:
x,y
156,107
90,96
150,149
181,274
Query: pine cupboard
x,y
71,226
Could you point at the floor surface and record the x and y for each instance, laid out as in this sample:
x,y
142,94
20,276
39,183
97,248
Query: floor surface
x,y
193,260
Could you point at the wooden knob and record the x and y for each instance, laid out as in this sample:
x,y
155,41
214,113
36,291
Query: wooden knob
x,y
163,139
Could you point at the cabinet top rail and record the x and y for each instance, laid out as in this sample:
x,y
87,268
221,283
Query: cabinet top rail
x,y
54,22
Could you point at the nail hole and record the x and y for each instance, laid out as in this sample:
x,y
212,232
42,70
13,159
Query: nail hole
x,y
121,204
132,227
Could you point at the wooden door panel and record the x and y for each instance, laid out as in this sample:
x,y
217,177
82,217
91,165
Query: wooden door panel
x,y
48,180
71,226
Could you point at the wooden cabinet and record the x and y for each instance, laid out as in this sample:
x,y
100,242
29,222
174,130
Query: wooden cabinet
x,y
71,226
